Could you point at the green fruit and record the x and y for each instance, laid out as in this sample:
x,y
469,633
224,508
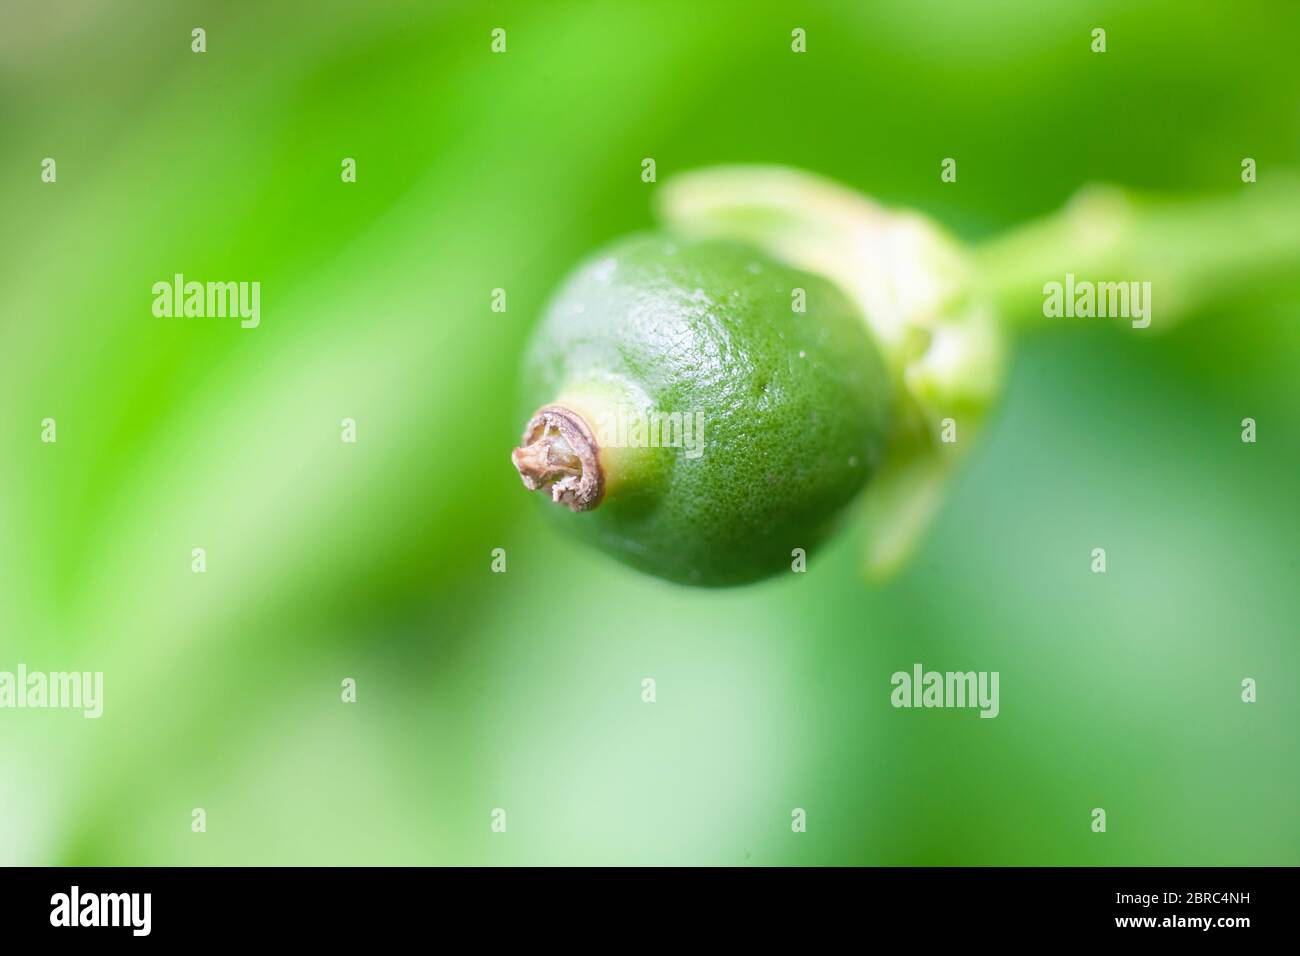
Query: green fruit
x,y
693,422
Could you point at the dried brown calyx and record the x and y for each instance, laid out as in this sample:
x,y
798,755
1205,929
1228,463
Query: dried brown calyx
x,y
560,453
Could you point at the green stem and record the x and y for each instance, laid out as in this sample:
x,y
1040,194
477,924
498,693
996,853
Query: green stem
x,y
1197,253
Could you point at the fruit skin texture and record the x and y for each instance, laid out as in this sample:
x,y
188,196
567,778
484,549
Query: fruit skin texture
x,y
796,406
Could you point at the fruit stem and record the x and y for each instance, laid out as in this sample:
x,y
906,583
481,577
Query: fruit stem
x,y
559,452
1196,252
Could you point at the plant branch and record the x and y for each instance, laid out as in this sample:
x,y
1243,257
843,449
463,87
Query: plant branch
x,y
1197,253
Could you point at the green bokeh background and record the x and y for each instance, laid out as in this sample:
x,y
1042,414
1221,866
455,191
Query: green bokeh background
x,y
480,690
